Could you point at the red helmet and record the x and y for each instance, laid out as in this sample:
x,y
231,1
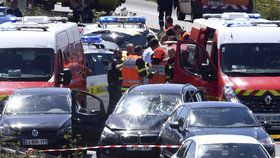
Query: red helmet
x,y
159,53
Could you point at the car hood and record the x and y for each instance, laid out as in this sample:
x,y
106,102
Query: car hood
x,y
44,122
6,88
130,122
255,132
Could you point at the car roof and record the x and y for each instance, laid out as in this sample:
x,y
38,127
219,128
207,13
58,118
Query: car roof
x,y
213,104
162,88
223,138
52,90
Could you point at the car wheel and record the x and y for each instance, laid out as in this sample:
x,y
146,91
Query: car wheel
x,y
180,15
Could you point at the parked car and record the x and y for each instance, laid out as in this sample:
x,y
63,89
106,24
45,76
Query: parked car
x,y
4,16
42,117
206,118
139,115
221,146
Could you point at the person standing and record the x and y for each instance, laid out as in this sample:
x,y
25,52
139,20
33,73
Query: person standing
x,y
165,10
114,77
180,33
169,67
87,14
153,44
134,69
77,13
158,67
13,8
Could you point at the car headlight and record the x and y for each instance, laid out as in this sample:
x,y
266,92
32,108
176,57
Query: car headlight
x,y
109,135
5,130
266,141
64,130
230,94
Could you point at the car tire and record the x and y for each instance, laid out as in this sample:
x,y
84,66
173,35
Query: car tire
x,y
180,15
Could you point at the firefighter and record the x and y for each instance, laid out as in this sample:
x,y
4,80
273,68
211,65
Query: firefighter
x,y
168,22
134,69
114,77
153,44
170,65
164,9
158,66
180,33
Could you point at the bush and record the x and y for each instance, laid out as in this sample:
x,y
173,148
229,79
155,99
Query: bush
x,y
269,9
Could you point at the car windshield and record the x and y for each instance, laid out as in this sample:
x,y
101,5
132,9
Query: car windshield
x,y
120,38
26,64
38,104
229,150
256,59
223,117
148,104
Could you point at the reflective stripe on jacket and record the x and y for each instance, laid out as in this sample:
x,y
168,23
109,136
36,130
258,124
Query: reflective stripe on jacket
x,y
159,76
130,72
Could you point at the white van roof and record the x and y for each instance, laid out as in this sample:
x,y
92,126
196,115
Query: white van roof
x,y
241,28
37,35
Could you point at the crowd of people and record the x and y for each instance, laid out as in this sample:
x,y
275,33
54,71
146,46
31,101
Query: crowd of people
x,y
152,65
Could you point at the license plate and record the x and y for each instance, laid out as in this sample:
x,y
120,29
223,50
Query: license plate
x,y
215,2
35,141
138,149
271,117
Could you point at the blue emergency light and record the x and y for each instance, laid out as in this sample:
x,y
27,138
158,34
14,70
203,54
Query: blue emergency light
x,y
91,39
122,19
238,23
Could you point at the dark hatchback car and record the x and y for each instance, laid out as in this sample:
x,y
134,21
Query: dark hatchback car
x,y
139,116
42,117
206,118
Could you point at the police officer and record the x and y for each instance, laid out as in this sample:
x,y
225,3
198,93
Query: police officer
x,y
158,66
114,77
87,14
164,9
134,69
77,13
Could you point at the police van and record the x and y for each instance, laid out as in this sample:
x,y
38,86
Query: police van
x,y
235,57
40,52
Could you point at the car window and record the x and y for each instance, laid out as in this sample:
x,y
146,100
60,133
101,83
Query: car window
x,y
97,63
140,39
183,149
235,150
190,153
228,117
148,103
37,104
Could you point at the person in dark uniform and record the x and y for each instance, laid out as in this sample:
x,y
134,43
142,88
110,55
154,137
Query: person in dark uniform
x,y
87,15
114,77
13,8
165,10
76,6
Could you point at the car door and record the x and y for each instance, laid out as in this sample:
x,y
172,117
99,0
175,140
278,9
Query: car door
x,y
193,65
88,118
177,131
97,80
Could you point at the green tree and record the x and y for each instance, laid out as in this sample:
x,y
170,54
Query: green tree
x,y
269,9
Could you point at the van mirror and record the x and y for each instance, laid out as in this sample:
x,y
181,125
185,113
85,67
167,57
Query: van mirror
x,y
66,77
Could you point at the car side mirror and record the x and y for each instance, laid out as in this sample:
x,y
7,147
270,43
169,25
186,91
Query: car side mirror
x,y
267,125
174,125
65,77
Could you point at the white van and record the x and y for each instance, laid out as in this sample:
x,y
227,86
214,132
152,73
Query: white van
x,y
40,52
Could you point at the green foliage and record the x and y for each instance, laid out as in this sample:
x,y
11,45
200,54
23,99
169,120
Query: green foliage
x,y
269,9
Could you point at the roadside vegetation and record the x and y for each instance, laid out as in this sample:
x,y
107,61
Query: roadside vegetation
x,y
269,9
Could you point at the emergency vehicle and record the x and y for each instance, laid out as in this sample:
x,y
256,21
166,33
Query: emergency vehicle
x,y
235,57
195,8
4,16
40,52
